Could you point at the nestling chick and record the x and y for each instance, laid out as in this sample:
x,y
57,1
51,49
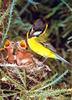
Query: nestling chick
x,y
22,55
9,47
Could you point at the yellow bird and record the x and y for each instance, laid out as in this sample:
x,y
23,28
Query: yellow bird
x,y
37,47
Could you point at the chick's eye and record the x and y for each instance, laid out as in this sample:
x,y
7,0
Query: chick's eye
x,y
22,44
7,43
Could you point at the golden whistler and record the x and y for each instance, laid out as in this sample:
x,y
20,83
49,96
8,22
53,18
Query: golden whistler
x,y
38,48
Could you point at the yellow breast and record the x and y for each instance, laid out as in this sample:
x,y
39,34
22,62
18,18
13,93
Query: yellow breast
x,y
40,49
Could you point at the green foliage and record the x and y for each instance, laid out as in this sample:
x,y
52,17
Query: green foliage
x,y
21,88
9,21
15,21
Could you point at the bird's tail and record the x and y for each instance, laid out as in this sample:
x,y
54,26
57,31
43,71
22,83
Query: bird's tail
x,y
62,59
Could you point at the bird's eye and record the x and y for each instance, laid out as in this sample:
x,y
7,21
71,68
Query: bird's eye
x,y
23,44
7,43
37,33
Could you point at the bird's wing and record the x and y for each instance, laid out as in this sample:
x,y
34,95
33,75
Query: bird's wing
x,y
49,46
43,36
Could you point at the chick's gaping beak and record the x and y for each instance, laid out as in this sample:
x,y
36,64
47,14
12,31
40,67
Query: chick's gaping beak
x,y
21,45
7,44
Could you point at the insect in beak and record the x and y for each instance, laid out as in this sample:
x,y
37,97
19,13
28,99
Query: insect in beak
x,y
35,33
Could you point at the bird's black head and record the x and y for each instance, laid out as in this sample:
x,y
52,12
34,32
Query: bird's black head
x,y
38,28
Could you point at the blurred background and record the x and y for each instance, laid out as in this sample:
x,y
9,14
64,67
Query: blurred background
x,y
18,16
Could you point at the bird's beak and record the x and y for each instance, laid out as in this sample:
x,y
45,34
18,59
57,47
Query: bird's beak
x,y
37,33
34,33
21,44
7,44
31,32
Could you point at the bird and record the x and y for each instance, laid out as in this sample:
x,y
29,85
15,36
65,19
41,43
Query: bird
x,y
36,46
8,46
23,56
